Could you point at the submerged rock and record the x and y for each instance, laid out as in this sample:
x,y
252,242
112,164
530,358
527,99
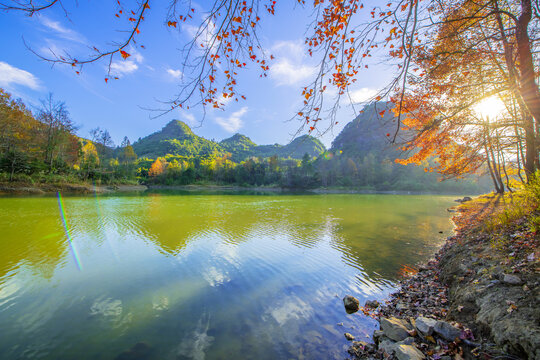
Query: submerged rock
x,y
394,328
372,304
351,303
139,351
349,337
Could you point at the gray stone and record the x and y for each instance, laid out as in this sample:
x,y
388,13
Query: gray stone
x,y
372,304
466,198
351,304
394,328
407,352
425,325
387,345
407,341
512,279
446,331
402,306
349,337
377,334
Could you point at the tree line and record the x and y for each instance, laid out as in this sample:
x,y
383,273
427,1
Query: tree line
x,y
43,147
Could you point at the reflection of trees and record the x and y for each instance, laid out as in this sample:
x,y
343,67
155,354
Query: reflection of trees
x,y
172,222
382,232
374,233
31,233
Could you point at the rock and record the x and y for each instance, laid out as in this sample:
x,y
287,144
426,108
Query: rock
x,y
407,341
407,352
394,328
446,331
466,198
512,279
351,303
349,337
362,344
425,325
372,304
387,345
402,306
377,335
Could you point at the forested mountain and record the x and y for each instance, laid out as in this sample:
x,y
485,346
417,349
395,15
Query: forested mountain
x,y
176,138
368,133
44,148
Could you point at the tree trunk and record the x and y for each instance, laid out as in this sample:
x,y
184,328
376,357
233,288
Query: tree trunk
x,y
528,88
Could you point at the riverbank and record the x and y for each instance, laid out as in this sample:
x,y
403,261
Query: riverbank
x,y
477,298
24,188
65,188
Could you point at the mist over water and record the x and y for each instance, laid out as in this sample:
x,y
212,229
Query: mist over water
x,y
203,276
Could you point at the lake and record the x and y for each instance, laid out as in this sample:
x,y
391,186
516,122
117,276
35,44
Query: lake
x,y
170,275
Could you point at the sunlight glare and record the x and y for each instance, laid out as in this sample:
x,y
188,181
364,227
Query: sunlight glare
x,y
490,107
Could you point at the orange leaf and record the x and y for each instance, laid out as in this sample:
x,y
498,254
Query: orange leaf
x,y
124,54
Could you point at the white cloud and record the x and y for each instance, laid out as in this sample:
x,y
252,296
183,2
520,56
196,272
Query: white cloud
x,y
61,30
294,49
362,95
123,67
10,75
284,72
290,68
129,65
204,36
176,74
233,122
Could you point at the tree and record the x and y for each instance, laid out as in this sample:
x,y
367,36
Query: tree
x,y
343,36
471,56
56,131
158,167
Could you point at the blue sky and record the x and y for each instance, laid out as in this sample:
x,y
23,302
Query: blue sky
x,y
151,75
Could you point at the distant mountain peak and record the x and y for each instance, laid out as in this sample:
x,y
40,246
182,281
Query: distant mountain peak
x,y
236,138
177,128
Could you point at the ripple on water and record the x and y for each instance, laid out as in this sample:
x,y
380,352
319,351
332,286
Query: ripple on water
x,y
200,277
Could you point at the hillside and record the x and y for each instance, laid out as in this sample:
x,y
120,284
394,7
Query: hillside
x,y
177,138
367,133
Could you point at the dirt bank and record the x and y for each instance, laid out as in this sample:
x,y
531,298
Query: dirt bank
x,y
64,188
478,297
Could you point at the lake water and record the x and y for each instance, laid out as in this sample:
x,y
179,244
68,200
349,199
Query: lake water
x,y
203,276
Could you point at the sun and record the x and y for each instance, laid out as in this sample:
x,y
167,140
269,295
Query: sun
x,y
490,108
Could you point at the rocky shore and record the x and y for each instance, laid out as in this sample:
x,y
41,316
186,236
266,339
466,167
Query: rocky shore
x,y
477,298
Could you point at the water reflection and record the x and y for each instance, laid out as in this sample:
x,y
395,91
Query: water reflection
x,y
202,276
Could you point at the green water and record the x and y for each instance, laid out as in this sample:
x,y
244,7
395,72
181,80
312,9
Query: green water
x,y
194,276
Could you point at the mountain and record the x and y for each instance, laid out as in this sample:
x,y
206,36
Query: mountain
x,y
176,138
296,149
240,146
368,133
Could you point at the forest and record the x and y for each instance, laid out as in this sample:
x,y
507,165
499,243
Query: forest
x,y
43,147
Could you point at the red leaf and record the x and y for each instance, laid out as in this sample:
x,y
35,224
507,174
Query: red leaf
x,y
124,54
